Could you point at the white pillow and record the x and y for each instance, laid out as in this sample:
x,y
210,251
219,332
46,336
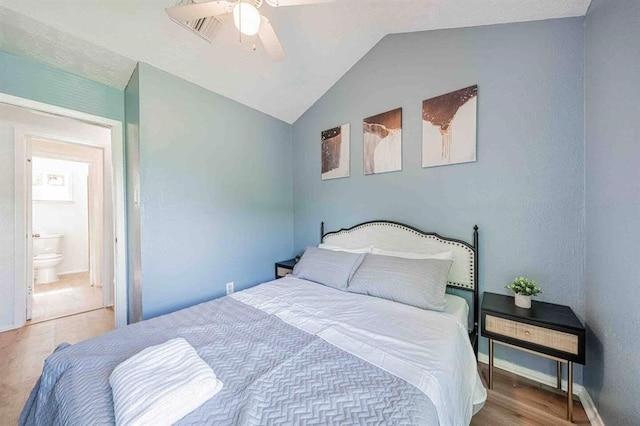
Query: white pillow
x,y
338,248
445,255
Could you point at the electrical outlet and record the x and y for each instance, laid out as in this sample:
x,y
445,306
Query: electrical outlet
x,y
229,287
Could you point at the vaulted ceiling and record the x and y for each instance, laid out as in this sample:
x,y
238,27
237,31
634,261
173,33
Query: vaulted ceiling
x,y
103,39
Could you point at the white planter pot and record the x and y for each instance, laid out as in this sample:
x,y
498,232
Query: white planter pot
x,y
523,301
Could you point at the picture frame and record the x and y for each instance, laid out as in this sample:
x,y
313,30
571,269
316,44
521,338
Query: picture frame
x,y
382,142
449,126
335,148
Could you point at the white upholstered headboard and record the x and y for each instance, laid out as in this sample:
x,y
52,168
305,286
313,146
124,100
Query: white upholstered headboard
x,y
395,236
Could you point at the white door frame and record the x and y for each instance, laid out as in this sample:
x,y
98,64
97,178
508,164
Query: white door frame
x,y
28,194
119,225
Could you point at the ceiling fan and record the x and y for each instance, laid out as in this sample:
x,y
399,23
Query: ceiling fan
x,y
206,17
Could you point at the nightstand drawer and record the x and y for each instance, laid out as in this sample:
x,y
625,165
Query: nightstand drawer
x,y
284,267
553,339
281,272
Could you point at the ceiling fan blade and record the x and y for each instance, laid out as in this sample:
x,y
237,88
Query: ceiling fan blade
x,y
270,41
191,12
282,3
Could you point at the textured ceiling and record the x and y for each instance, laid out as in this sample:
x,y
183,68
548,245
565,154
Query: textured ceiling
x,y
27,37
102,39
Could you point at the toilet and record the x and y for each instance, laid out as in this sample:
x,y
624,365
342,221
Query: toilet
x,y
47,256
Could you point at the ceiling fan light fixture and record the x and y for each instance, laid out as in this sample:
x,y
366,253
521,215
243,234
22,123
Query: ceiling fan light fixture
x,y
246,18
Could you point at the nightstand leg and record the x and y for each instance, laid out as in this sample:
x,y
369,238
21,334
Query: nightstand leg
x,y
490,363
570,391
559,374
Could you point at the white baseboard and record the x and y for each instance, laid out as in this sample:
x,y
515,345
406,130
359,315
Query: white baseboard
x,y
589,407
8,328
549,380
73,272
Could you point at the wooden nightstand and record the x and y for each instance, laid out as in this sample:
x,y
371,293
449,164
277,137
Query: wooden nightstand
x,y
549,330
284,267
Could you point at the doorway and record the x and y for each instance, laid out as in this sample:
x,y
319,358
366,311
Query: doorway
x,y
55,126
54,153
67,219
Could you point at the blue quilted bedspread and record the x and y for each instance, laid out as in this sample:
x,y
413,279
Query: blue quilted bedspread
x,y
273,373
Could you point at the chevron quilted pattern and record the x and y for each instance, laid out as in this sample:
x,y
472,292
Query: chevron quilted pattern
x,y
324,385
272,373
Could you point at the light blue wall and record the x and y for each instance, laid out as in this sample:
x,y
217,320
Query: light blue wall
x,y
526,191
612,63
39,82
216,193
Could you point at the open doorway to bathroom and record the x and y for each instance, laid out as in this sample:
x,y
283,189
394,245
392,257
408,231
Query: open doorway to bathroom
x,y
69,206
31,129
67,223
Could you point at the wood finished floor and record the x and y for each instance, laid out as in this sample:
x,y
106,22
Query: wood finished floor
x,y
71,294
514,401
22,353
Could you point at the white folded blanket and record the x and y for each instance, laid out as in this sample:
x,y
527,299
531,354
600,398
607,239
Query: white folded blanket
x,y
161,384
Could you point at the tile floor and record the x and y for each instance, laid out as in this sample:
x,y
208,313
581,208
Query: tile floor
x,y
71,294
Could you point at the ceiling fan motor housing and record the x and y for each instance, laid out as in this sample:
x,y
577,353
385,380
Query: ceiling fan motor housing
x,y
204,17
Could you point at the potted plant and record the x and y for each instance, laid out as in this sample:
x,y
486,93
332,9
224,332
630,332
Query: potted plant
x,y
524,289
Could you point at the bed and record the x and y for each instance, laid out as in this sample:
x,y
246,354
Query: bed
x,y
293,351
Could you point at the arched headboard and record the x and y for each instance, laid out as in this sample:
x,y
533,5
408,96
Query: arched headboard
x,y
394,236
